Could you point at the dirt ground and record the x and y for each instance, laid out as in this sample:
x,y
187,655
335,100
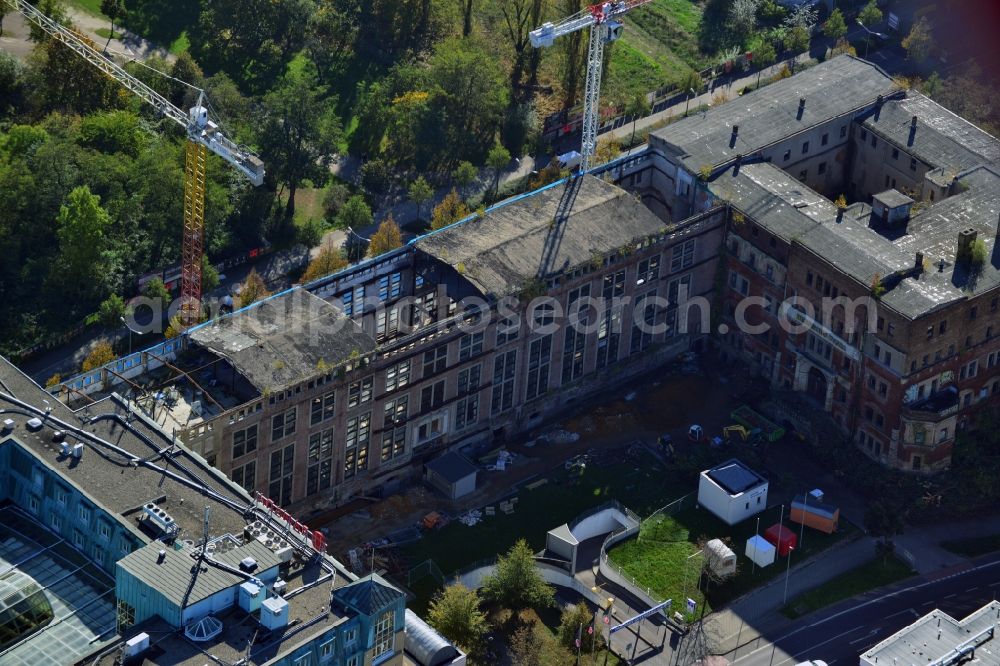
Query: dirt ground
x,y
662,402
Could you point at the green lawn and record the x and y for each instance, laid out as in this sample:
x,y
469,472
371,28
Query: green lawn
x,y
89,6
642,486
973,547
868,576
661,564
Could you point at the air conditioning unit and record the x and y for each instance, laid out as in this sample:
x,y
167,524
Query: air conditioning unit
x,y
8,425
279,587
158,517
78,450
274,613
65,448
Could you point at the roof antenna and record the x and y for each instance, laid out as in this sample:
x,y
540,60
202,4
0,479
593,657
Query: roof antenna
x,y
204,545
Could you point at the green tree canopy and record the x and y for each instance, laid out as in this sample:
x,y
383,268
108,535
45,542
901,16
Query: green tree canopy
x,y
299,133
871,14
420,192
835,26
516,582
454,612
573,618
465,173
82,231
497,159
355,213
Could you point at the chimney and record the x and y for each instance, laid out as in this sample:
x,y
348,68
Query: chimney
x,y
913,131
802,108
878,106
918,264
735,134
966,238
160,556
737,164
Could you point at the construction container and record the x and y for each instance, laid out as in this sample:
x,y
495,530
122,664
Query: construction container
x,y
782,538
808,511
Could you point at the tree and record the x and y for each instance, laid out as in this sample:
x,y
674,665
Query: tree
x,y
835,26
516,583
450,210
420,192
355,214
375,176
803,16
573,618
743,17
174,328
100,354
253,289
209,275
329,260
113,9
300,131
638,106
111,311
764,57
82,228
871,14
497,159
797,39
465,173
691,81
525,647
388,237
156,290
920,40
454,612
883,520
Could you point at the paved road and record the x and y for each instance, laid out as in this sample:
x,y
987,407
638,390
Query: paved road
x,y
839,635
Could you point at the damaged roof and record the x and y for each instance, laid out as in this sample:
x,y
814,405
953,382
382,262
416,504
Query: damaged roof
x,y
771,114
284,340
553,230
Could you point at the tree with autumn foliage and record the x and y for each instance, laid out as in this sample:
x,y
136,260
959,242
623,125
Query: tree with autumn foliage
x,y
388,237
329,260
450,210
100,354
253,289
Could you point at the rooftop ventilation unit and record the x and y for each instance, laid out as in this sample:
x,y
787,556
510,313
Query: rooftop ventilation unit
x,y
251,596
248,564
160,518
65,448
136,645
34,424
274,613
78,450
279,587
8,425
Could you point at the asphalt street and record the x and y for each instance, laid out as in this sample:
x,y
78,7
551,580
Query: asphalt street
x,y
844,631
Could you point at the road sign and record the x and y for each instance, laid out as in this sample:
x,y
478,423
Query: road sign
x,y
641,616
691,605
893,21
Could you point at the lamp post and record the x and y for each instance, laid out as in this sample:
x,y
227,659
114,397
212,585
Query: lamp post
x,y
130,332
688,102
788,568
868,35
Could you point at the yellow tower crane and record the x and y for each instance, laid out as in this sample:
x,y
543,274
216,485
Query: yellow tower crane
x,y
203,135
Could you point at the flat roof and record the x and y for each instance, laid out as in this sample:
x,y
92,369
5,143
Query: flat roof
x,y
892,198
452,466
284,340
937,635
179,573
940,137
770,114
552,230
735,477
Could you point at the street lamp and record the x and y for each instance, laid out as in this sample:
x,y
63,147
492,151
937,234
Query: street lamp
x,y
130,332
688,103
788,568
868,35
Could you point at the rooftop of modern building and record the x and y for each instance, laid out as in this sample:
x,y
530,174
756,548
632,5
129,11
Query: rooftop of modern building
x,y
735,477
126,463
939,137
284,340
860,247
310,614
771,114
938,638
180,574
552,230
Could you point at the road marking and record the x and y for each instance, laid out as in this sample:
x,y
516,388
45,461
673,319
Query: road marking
x,y
949,596
972,589
902,612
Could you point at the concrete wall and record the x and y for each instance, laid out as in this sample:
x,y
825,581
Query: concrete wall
x,y
604,522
